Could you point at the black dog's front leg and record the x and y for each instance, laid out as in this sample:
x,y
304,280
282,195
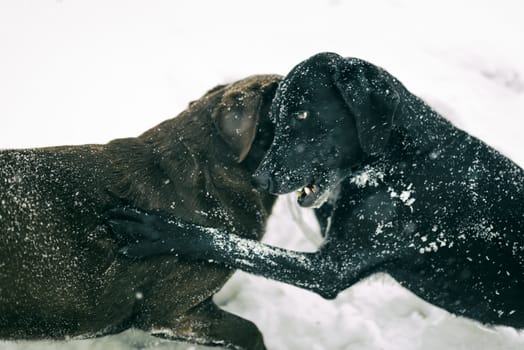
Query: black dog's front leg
x,y
145,234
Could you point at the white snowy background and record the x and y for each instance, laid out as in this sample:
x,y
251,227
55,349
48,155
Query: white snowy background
x,y
74,72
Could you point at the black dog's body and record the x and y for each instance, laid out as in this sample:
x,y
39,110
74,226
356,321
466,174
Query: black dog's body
x,y
446,226
60,273
407,194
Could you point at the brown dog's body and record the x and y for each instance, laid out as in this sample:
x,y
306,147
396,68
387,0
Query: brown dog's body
x,y
60,272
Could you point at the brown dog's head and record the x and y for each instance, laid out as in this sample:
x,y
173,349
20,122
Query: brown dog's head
x,y
241,117
209,153
230,124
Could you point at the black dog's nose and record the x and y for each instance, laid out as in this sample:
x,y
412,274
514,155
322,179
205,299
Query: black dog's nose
x,y
262,182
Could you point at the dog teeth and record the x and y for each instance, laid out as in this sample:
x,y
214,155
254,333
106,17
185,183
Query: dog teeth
x,y
307,190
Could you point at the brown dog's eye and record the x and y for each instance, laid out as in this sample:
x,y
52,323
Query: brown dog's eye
x,y
301,115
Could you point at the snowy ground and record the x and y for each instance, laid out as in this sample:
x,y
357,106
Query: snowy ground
x,y
75,72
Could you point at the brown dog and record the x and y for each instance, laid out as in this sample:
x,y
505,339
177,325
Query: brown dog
x,y
60,271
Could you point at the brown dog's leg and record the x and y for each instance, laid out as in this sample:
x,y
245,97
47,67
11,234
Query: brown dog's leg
x,y
206,324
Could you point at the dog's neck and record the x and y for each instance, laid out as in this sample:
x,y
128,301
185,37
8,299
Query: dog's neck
x,y
421,126
191,153
188,148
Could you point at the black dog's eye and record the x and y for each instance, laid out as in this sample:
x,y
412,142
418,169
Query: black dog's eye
x,y
302,115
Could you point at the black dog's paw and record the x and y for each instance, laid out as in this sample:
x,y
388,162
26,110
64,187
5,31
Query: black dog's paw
x,y
141,233
131,225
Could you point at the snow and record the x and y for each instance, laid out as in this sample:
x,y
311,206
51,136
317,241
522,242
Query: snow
x,y
74,72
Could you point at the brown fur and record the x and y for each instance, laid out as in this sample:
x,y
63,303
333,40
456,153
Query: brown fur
x,y
60,273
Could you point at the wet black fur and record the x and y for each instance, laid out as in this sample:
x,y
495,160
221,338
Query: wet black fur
x,y
60,272
410,195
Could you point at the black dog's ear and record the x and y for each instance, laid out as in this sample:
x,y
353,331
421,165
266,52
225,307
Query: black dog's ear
x,y
372,98
236,120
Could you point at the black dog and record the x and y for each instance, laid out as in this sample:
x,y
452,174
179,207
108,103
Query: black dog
x,y
404,192
60,272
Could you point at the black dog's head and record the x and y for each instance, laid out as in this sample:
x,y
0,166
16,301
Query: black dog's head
x,y
330,113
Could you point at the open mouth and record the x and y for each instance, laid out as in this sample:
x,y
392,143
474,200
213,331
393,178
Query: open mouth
x,y
309,195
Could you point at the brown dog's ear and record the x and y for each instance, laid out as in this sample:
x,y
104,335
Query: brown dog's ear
x,y
372,97
236,120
